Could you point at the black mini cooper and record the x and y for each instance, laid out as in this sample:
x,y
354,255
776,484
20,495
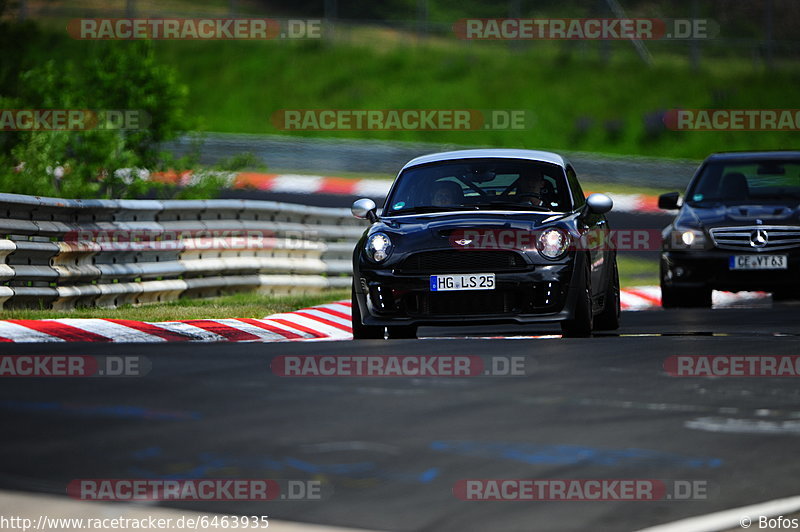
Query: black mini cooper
x,y
738,228
484,236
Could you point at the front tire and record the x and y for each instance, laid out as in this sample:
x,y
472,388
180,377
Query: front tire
x,y
580,326
361,331
608,320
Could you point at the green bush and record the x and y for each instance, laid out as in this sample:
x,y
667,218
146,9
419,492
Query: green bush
x,y
99,162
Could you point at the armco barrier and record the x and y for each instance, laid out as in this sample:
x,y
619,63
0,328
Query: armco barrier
x,y
58,253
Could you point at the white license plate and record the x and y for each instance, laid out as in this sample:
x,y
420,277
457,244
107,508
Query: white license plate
x,y
758,262
467,281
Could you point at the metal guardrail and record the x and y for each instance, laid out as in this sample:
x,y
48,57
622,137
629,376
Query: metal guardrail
x,y
57,253
331,155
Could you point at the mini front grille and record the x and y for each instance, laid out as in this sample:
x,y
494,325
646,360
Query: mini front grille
x,y
482,303
756,237
538,297
456,261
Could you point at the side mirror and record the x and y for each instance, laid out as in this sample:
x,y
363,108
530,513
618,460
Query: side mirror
x,y
599,203
669,200
364,208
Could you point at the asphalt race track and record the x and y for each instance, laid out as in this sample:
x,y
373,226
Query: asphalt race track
x,y
391,449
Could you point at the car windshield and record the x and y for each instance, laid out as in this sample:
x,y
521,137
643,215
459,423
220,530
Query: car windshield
x,y
479,184
739,181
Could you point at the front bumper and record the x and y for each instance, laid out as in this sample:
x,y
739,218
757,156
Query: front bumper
x,y
710,269
542,293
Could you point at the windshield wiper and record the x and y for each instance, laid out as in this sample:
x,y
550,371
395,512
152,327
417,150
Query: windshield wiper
x,y
513,205
426,209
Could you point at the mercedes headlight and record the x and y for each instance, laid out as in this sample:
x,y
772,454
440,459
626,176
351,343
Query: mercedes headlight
x,y
379,247
688,239
553,243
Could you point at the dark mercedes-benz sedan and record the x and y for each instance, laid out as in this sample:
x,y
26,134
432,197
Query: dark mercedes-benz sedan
x,y
483,236
738,228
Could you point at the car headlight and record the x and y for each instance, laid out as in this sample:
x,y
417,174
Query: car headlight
x,y
379,247
688,239
553,243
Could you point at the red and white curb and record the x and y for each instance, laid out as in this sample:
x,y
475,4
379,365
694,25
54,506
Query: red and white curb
x,y
649,298
370,188
323,322
640,298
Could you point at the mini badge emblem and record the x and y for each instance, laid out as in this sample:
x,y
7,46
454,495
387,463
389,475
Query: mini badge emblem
x,y
464,242
758,238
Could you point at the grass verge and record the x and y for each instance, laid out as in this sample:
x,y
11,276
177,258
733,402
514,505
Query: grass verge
x,y
637,272
233,306
575,100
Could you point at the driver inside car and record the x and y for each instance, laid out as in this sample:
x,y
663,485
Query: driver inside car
x,y
529,188
447,194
